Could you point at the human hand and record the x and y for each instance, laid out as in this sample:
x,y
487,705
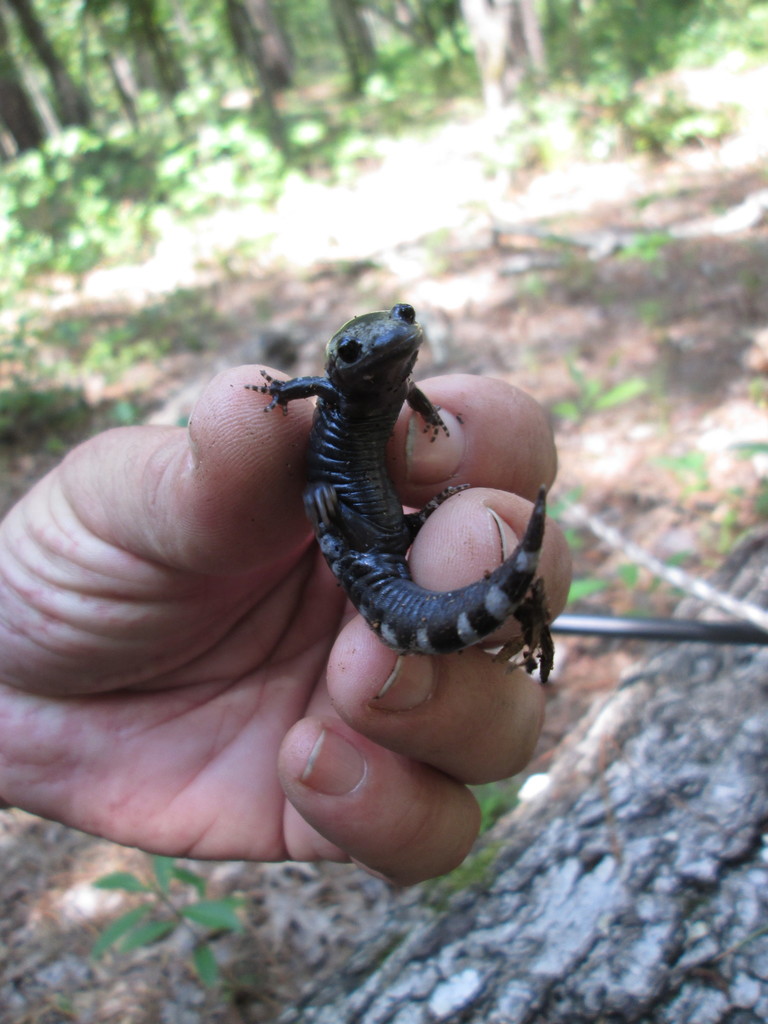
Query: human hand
x,y
176,659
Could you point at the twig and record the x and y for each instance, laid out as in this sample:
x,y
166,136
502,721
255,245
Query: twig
x,y
577,515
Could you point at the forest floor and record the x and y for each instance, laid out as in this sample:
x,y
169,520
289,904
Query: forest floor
x,y
568,283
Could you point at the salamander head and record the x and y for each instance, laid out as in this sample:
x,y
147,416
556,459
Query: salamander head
x,y
374,353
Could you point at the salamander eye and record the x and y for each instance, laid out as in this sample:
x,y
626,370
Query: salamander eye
x,y
402,311
349,349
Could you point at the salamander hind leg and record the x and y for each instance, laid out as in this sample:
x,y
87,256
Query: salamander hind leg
x,y
530,608
533,615
321,503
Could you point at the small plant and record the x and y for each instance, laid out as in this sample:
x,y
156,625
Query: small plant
x,y
32,403
585,587
476,872
494,800
646,247
593,396
746,450
689,469
175,897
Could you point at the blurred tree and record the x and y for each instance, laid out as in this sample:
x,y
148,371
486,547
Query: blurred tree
x,y
17,112
277,53
72,105
147,27
265,51
355,39
424,20
507,40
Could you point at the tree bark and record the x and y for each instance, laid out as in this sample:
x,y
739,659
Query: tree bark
x,y
147,28
507,39
531,30
490,27
277,56
17,111
71,102
248,43
356,42
634,890
18,116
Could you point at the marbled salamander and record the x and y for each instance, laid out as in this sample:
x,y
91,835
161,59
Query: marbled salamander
x,y
359,521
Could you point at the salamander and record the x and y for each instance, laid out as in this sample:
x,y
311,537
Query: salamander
x,y
359,521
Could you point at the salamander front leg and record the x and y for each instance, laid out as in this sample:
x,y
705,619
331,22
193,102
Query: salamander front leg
x,y
430,413
285,391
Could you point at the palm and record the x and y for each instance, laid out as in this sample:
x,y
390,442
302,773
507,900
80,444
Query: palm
x,y
232,663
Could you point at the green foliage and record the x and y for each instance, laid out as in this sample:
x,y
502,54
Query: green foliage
x,y
629,574
230,163
586,587
32,402
690,470
613,45
747,450
168,906
592,396
494,800
598,56
662,125
761,500
646,246
476,872
79,201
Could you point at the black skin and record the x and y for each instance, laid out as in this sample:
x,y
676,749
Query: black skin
x,y
359,520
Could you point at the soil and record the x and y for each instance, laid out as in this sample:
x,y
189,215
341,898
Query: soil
x,y
568,284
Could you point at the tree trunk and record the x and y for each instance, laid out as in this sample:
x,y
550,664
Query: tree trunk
x,y
635,889
18,116
125,84
71,102
277,56
247,40
356,42
427,18
507,39
532,37
147,29
490,27
17,112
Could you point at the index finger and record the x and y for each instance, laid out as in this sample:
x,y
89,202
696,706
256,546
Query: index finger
x,y
500,437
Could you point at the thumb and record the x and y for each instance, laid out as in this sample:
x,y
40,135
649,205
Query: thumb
x,y
220,497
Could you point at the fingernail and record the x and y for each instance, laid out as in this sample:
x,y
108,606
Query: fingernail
x,y
431,461
411,682
334,767
508,539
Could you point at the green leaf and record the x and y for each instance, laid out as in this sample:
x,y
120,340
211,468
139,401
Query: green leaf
x,y
749,448
585,588
163,868
567,410
218,915
124,880
146,934
117,929
188,877
629,574
623,392
205,965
